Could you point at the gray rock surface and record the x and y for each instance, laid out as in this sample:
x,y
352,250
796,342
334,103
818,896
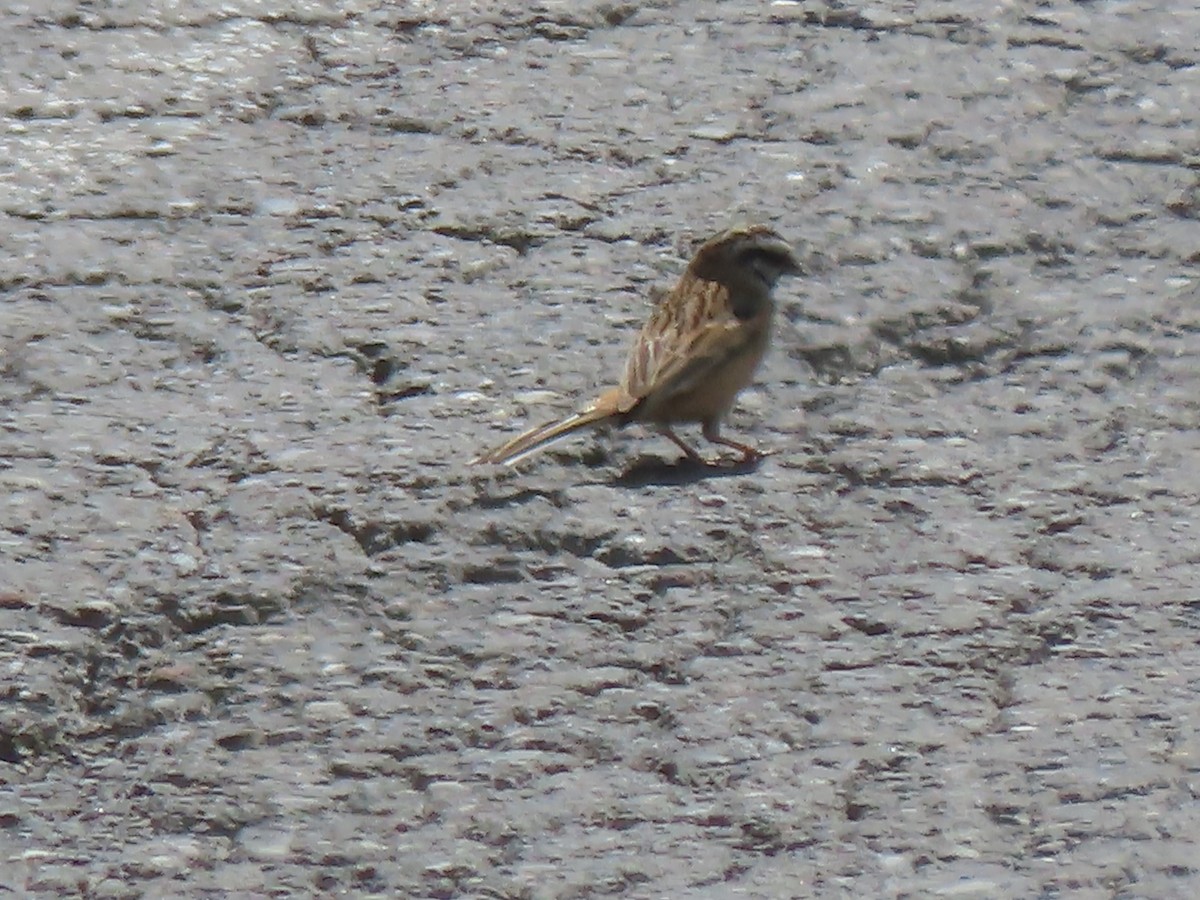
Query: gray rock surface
x,y
273,271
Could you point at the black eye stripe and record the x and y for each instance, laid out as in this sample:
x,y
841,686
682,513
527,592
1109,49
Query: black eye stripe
x,y
779,257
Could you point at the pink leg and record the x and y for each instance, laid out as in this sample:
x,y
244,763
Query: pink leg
x,y
679,442
712,433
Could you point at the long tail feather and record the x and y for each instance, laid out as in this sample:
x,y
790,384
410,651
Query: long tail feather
x,y
536,438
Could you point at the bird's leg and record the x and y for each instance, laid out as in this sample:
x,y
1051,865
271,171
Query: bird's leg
x,y
712,433
695,457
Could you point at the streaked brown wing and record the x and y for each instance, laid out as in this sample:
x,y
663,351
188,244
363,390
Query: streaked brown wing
x,y
710,349
684,332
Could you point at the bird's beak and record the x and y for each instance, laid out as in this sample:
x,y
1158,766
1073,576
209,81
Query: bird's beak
x,y
792,264
795,266
785,257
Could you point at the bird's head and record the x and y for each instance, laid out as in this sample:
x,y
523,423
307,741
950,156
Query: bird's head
x,y
747,256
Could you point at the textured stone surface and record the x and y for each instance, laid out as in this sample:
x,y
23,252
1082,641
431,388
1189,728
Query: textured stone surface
x,y
272,272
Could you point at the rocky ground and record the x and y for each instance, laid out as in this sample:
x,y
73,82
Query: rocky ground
x,y
272,272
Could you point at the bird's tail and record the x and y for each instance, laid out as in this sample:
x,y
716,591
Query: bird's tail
x,y
536,438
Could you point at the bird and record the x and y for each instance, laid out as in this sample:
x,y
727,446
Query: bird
x,y
698,349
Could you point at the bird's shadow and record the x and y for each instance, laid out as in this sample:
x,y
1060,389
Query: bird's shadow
x,y
648,472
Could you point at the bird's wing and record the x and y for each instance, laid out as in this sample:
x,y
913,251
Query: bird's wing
x,y
669,365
